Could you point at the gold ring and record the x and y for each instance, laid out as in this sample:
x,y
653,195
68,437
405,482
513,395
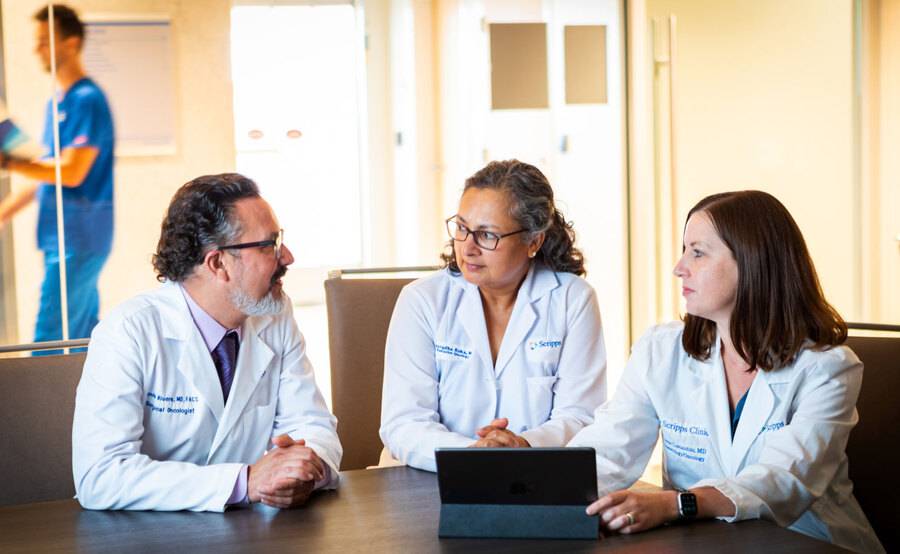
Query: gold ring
x,y
630,517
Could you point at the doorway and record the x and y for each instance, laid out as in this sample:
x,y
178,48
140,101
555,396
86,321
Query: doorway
x,y
298,121
299,113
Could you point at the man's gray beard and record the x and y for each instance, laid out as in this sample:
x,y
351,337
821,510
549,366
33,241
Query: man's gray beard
x,y
249,306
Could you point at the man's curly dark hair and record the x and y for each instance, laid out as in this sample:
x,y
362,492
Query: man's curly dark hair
x,y
199,218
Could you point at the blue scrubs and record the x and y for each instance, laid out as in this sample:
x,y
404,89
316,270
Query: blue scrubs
x,y
85,120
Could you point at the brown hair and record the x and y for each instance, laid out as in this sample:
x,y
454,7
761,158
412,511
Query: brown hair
x,y
779,303
533,208
66,20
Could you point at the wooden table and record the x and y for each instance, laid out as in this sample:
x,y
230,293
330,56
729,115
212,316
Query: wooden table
x,y
382,510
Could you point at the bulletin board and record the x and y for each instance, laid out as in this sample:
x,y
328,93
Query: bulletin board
x,y
132,59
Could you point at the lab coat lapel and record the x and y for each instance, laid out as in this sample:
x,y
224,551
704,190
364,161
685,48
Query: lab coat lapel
x,y
197,365
711,399
538,282
757,409
520,323
253,361
471,316
720,411
194,360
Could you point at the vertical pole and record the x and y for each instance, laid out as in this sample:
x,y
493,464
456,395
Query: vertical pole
x,y
673,157
60,226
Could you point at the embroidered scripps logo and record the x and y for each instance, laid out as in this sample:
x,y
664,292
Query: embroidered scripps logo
x,y
538,344
771,427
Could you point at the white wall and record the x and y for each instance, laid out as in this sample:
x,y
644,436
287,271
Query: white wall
x,y
464,74
380,126
143,185
762,99
403,99
888,232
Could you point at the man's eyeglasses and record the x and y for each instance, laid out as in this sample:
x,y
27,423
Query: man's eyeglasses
x,y
276,243
484,239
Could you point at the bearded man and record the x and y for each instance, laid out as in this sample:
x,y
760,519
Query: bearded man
x,y
186,387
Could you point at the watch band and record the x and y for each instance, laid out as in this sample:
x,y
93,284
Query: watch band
x,y
687,505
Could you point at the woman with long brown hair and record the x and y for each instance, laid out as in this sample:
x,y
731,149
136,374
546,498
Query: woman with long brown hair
x,y
753,393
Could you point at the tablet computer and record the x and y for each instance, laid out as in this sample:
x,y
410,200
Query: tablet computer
x,y
517,492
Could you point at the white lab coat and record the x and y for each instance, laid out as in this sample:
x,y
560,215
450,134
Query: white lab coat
x,y
440,384
150,429
787,462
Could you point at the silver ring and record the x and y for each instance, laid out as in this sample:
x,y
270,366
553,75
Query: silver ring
x,y
630,517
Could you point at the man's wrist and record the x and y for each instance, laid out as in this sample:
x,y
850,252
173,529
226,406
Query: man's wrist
x,y
250,491
240,493
325,480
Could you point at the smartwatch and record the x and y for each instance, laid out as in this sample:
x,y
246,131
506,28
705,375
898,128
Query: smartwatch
x,y
687,505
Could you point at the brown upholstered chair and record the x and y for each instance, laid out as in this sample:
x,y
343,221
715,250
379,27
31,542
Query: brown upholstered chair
x,y
359,311
874,446
37,402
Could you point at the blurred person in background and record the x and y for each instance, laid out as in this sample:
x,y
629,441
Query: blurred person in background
x,y
86,141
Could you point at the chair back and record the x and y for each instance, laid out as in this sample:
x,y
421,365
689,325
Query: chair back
x,y
37,402
874,446
359,312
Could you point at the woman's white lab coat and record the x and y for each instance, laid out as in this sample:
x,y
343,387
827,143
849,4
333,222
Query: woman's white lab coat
x,y
787,462
440,384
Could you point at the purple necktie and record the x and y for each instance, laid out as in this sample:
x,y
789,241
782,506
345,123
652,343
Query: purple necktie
x,y
224,355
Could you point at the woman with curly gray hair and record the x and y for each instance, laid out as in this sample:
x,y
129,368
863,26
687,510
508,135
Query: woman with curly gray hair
x,y
503,347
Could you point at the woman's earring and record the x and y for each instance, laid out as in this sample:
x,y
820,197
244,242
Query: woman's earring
x,y
532,254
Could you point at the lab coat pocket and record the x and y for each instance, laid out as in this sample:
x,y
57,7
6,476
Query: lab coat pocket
x,y
540,397
257,424
264,414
